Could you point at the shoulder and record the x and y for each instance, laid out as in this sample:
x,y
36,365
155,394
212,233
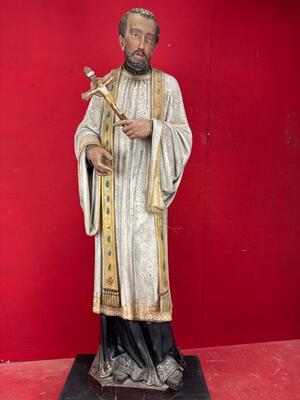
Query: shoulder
x,y
171,85
170,80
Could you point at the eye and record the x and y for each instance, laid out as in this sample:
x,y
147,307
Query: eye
x,y
150,40
135,34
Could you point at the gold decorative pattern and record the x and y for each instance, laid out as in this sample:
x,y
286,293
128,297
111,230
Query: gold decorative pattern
x,y
110,283
158,113
167,367
136,312
108,302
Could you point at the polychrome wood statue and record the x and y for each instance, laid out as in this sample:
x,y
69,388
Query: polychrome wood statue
x,y
132,147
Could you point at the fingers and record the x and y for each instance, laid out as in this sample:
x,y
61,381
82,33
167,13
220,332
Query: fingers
x,y
96,153
102,169
127,126
133,136
105,153
123,122
102,173
135,128
129,132
97,156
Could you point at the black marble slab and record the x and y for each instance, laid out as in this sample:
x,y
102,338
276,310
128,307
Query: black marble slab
x,y
81,386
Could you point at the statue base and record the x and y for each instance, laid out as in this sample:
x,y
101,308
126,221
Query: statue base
x,y
81,386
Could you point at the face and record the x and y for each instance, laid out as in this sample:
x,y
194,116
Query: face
x,y
138,43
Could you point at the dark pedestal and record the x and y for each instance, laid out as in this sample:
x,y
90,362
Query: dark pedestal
x,y
81,386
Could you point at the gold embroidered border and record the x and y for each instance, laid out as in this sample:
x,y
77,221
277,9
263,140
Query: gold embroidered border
x,y
135,312
158,113
110,283
88,140
110,297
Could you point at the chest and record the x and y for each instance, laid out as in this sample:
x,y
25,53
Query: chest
x,y
134,98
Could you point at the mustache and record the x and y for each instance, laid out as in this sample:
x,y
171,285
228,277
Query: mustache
x,y
140,51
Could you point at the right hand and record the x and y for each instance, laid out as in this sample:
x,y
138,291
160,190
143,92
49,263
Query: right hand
x,y
97,155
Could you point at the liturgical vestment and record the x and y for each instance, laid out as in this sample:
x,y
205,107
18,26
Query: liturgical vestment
x,y
126,211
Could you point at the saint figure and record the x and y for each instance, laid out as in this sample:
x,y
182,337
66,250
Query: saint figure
x,y
129,172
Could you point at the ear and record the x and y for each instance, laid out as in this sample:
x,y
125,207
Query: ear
x,y
121,41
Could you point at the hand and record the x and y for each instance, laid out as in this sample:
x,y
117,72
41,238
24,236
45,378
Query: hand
x,y
136,128
97,155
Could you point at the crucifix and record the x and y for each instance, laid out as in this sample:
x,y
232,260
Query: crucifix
x,y
101,89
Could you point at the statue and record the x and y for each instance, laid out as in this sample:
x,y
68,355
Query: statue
x,y
132,147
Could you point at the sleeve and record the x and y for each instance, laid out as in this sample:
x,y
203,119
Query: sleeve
x,y
88,133
171,145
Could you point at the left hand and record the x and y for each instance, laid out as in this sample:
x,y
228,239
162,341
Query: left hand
x,y
136,128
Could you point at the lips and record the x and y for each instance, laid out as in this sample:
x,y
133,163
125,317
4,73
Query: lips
x,y
139,54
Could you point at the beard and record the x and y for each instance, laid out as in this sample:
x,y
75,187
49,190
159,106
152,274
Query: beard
x,y
137,66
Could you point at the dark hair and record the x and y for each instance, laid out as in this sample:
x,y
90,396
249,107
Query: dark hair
x,y
144,13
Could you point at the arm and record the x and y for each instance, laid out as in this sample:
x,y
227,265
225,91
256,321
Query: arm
x,y
171,144
88,130
87,139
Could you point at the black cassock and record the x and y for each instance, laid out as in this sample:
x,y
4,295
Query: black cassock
x,y
146,351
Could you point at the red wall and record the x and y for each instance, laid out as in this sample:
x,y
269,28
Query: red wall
x,y
234,226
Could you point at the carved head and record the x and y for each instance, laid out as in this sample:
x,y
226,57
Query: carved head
x,y
138,36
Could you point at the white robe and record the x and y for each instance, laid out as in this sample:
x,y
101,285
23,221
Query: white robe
x,y
136,246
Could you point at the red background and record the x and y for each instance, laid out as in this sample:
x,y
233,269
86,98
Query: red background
x,y
234,226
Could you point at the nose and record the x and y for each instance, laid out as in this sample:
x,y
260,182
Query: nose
x,y
142,44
